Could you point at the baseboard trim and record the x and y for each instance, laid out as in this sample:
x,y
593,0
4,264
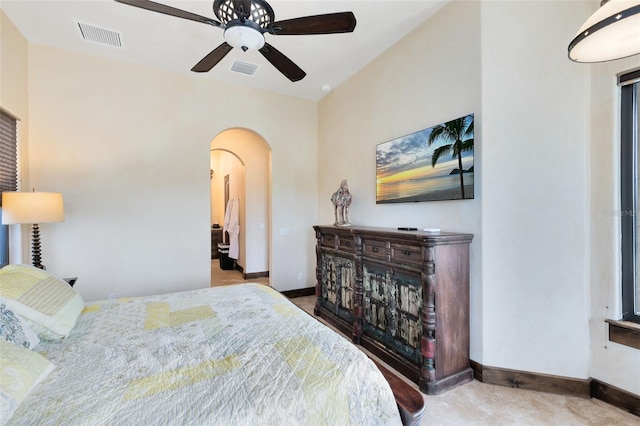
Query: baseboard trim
x,y
585,388
301,292
615,396
530,381
253,275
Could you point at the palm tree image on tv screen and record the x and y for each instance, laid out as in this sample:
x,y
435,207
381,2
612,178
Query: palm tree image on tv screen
x,y
434,164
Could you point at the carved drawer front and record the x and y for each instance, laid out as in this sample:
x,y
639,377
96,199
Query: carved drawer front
x,y
338,285
404,253
328,240
346,243
376,301
375,248
393,310
407,329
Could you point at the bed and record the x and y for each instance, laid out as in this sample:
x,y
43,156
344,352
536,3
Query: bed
x,y
232,355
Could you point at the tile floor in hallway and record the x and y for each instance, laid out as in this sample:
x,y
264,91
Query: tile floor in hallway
x,y
479,404
227,277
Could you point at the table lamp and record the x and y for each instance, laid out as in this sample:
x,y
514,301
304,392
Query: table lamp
x,y
32,208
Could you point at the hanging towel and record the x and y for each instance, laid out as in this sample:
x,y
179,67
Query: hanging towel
x,y
232,226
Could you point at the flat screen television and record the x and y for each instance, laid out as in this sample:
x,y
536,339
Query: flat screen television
x,y
434,164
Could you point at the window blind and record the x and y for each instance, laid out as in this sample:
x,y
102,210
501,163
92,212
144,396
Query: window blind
x,y
8,172
8,153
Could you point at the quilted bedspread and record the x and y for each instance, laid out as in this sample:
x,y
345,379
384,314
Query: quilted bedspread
x,y
234,355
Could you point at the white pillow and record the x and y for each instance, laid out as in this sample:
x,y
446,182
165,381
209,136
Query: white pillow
x,y
13,329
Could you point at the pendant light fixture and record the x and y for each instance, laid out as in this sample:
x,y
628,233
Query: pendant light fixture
x,y
612,32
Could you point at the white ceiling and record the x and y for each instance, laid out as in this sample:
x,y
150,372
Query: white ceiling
x,y
177,44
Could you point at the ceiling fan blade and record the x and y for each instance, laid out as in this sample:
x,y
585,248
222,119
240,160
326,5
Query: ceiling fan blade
x,y
243,6
212,58
171,11
282,63
331,23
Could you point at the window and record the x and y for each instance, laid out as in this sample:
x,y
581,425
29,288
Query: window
x,y
8,172
630,196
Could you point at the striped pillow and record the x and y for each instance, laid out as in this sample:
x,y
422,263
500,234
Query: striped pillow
x,y
48,304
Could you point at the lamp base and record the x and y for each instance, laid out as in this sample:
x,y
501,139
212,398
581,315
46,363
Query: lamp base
x,y
36,258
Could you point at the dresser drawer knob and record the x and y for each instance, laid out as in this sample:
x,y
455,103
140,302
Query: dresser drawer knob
x,y
374,249
406,253
347,244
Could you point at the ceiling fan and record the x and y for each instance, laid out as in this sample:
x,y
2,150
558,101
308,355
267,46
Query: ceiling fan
x,y
246,21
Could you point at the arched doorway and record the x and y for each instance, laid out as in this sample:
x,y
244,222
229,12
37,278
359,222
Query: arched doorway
x,y
243,157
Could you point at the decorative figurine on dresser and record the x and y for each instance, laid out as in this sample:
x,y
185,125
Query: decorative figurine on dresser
x,y
403,295
341,200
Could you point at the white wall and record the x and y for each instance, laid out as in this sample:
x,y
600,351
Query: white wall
x,y
429,77
14,99
128,146
535,202
551,244
530,271
610,362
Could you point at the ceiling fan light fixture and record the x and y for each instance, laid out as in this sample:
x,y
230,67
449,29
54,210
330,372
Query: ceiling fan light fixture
x,y
244,23
244,37
612,32
260,14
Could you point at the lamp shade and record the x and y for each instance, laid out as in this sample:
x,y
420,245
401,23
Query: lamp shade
x,y
32,207
612,32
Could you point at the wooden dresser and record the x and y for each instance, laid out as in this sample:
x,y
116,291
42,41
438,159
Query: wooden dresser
x,y
402,295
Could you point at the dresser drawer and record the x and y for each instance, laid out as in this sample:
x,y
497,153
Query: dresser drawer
x,y
346,243
375,248
404,253
328,240
338,241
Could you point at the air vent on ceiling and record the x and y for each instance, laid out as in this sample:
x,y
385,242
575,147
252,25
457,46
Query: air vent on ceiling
x,y
100,35
244,67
